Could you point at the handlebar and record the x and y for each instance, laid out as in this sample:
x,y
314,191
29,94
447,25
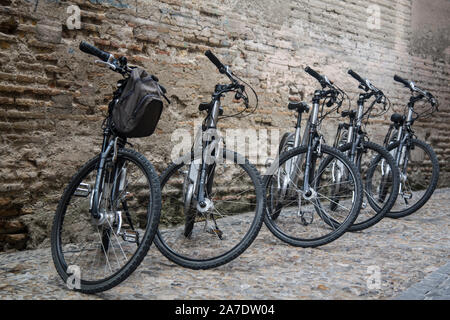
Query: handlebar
x,y
357,77
215,61
102,55
406,83
369,91
422,93
332,93
314,74
119,65
106,58
367,86
323,80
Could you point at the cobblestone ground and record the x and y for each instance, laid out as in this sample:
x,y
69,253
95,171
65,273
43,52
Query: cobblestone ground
x,y
404,251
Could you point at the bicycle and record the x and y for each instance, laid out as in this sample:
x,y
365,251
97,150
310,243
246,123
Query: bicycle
x,y
293,199
212,198
108,214
417,161
377,166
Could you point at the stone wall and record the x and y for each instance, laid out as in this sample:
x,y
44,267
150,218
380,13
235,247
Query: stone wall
x,y
53,97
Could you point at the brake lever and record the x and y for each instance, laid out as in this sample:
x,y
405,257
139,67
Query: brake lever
x,y
110,65
363,88
230,76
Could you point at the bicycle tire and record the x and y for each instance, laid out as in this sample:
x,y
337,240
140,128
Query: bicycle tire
x,y
281,149
381,212
243,244
341,228
144,245
433,183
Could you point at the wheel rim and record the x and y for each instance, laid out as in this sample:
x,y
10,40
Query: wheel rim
x,y
306,222
100,252
377,173
416,179
223,227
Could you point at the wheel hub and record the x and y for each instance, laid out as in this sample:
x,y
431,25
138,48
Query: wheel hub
x,y
106,218
310,194
205,206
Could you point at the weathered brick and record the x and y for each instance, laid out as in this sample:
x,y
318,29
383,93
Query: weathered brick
x,y
11,226
53,97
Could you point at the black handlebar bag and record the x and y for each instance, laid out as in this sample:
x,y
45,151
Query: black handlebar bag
x,y
137,112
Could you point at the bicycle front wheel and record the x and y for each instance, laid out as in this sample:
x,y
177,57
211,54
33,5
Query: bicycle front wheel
x,y
94,255
230,223
306,219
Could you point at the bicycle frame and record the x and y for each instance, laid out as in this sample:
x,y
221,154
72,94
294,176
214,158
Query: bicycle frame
x,y
355,134
111,143
198,173
404,135
212,120
311,139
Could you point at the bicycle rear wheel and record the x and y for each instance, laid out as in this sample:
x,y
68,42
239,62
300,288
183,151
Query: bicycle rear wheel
x,y
418,179
307,221
95,255
286,144
381,182
220,234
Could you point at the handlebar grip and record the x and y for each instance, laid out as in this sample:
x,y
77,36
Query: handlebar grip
x,y
357,77
314,74
401,80
215,60
87,48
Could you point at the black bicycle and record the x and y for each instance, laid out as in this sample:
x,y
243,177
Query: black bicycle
x,y
418,163
108,214
378,169
212,198
298,205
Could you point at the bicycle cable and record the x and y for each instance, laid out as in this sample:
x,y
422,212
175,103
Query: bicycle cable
x,y
246,98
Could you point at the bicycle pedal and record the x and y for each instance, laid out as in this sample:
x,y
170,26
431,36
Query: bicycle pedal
x,y
130,236
217,232
407,195
83,190
304,222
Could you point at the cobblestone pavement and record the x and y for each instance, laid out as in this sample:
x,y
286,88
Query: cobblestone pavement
x,y
435,286
402,252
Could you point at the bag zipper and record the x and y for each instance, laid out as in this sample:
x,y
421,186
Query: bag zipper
x,y
141,102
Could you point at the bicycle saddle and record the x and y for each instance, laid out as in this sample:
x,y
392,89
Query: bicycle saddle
x,y
398,118
204,106
298,106
348,113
